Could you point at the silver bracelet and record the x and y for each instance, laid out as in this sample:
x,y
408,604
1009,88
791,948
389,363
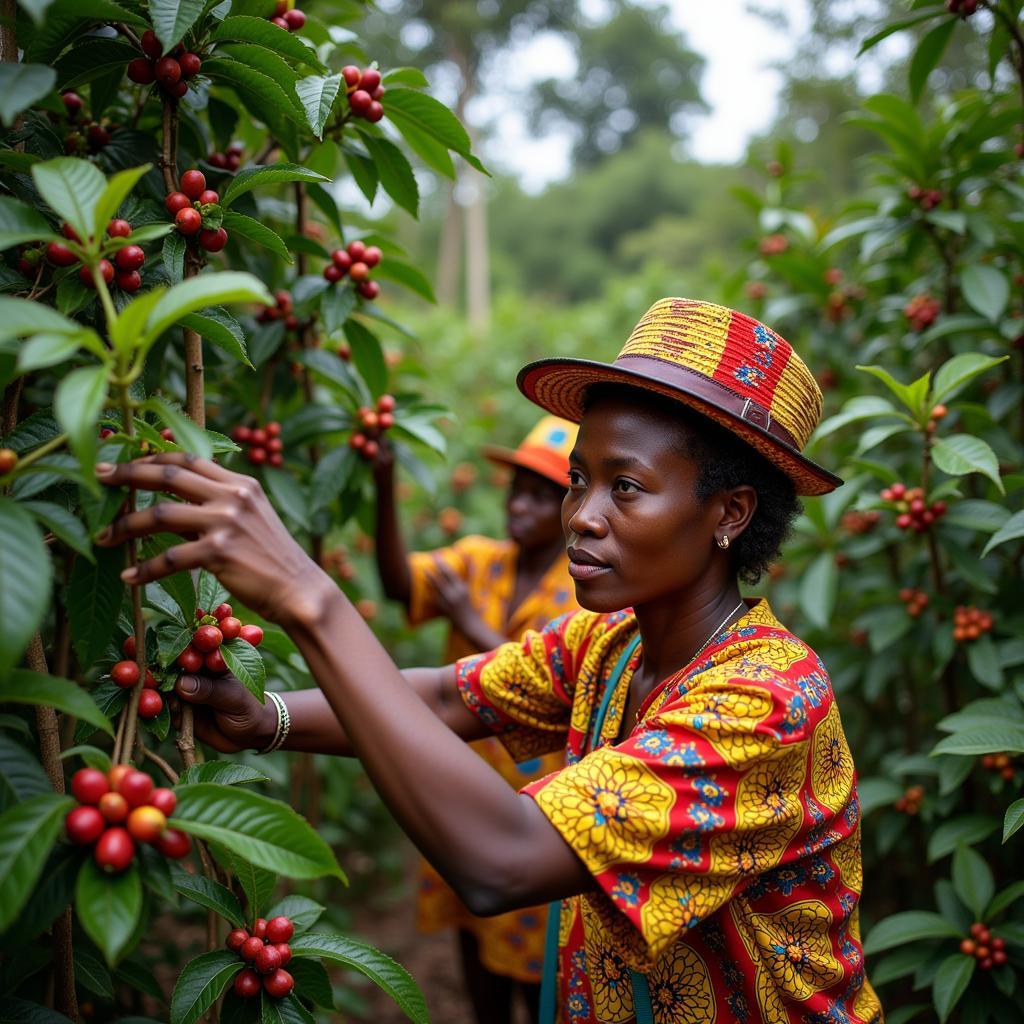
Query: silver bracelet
x,y
284,723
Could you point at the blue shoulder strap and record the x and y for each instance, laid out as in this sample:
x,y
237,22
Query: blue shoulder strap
x,y
548,997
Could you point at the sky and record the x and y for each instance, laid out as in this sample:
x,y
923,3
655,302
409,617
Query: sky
x,y
739,84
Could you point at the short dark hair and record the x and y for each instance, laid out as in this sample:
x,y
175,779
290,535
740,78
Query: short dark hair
x,y
724,461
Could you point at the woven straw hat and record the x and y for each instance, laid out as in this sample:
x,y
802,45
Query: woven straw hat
x,y
545,450
726,365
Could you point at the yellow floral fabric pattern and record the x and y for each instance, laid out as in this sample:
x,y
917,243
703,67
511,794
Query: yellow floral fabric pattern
x,y
722,830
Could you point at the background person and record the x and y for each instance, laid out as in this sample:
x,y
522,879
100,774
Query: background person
x,y
491,590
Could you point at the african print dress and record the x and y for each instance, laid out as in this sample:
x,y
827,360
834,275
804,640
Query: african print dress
x,y
509,944
723,832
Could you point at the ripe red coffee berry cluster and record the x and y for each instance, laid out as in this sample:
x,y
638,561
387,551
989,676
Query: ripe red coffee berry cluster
x,y
915,600
364,92
124,271
265,444
281,310
988,949
96,135
910,802
914,512
373,424
861,522
186,207
126,674
116,810
926,198
773,245
291,19
922,311
356,260
970,622
266,948
939,412
203,652
172,73
999,764
229,160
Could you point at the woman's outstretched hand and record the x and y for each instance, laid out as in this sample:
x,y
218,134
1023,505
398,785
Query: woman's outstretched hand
x,y
228,717
233,529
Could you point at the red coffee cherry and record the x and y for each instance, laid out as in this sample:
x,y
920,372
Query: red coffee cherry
x,y
257,455
190,64
128,280
386,403
88,785
125,673
188,220
136,787
213,241
278,984
295,19
190,660
106,272
333,273
163,800
115,850
215,663
192,183
370,79
286,953
60,255
360,101
131,257
372,256
208,196
207,638
174,844
151,703
359,271
259,927
341,259
113,807
151,46
84,825
251,634
374,112
72,104
168,72
8,460
267,960
236,939
351,74
247,983
279,929
117,773
141,71
150,682
368,289
230,627
357,250
176,201
222,611
146,824
250,948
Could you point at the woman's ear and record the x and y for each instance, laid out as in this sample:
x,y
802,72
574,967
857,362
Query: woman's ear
x,y
738,508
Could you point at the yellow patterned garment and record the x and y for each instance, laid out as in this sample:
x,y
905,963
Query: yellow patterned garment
x,y
723,831
510,944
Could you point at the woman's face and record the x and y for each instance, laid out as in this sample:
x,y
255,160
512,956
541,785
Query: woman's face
x,y
533,511
636,533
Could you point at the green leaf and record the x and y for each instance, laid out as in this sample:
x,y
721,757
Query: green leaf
x,y
863,407
288,496
246,664
72,188
210,591
956,372
92,975
187,435
108,907
1014,819
19,317
173,18
1012,529
208,893
217,326
330,366
227,773
300,910
330,476
337,303
117,190
433,153
967,829
983,661
818,588
317,94
257,883
908,926
407,107
911,395
368,356
265,33
109,698
92,756
25,687
406,76
972,880
201,984
21,776
21,85
197,293
77,404
927,53
395,172
283,1011
987,740
27,831
960,454
255,231
266,832
20,223
253,177
173,256
312,981
379,968
94,594
127,328
951,981
180,585
986,290
21,1011
363,171
405,274
25,574
44,350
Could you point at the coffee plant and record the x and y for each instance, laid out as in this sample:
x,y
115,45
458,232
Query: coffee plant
x,y
908,579
178,274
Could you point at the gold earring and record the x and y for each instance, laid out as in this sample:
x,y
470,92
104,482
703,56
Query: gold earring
x,y
723,541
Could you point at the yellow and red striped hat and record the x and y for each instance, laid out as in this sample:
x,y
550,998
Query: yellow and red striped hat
x,y
545,449
722,363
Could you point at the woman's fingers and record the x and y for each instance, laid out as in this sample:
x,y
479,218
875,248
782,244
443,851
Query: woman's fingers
x,y
164,516
168,472
196,554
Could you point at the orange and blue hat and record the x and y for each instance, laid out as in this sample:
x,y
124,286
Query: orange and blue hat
x,y
545,449
719,362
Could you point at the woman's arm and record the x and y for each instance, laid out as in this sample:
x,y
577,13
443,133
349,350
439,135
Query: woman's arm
x,y
392,556
494,846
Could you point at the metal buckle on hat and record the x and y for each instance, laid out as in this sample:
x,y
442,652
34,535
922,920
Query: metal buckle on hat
x,y
754,413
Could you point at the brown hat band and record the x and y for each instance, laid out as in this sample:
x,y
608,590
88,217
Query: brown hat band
x,y
710,391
